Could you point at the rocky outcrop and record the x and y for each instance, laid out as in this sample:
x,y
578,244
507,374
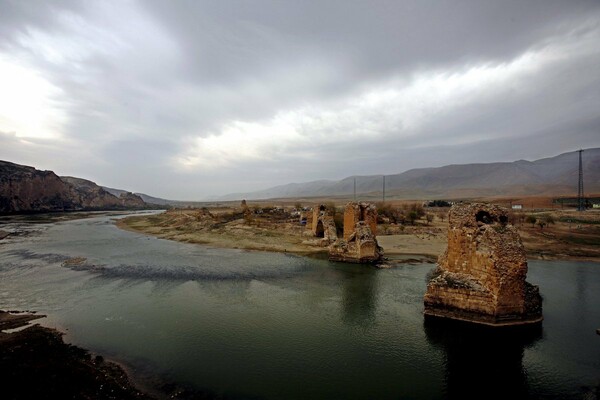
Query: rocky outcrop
x,y
26,189
481,275
94,197
359,242
131,200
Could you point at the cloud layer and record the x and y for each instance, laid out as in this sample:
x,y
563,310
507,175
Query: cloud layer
x,y
191,99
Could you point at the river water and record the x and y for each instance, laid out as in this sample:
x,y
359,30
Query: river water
x,y
264,325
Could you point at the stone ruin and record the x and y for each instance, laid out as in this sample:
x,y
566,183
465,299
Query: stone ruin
x,y
244,206
322,225
359,212
359,243
481,275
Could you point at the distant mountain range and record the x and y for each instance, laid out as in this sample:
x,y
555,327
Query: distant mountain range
x,y
549,176
26,189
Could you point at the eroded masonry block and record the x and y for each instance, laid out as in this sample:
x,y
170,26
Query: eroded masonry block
x,y
356,212
323,225
481,275
359,242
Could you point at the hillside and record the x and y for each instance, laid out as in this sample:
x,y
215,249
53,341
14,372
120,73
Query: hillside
x,y
95,197
147,198
549,176
26,189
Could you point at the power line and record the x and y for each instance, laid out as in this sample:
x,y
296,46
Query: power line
x,y
580,197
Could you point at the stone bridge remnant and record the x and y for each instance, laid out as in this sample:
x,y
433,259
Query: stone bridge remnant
x,y
357,212
359,242
323,225
481,275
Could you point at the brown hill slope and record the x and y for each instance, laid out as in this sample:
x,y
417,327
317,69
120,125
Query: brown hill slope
x,y
555,175
26,189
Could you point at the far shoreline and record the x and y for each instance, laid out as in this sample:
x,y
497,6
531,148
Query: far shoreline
x,y
400,245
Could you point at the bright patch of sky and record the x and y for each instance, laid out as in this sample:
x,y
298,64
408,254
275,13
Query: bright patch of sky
x,y
192,99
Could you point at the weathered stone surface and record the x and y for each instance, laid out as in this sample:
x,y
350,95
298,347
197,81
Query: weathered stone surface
x,y
92,196
356,212
359,243
245,209
323,225
26,189
481,275
131,200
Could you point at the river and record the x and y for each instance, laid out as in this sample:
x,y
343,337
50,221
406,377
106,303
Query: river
x,y
264,325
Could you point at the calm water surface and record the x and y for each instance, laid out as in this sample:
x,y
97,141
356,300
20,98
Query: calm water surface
x,y
277,326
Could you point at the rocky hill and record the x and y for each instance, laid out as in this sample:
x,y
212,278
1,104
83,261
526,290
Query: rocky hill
x,y
147,198
93,196
549,176
26,189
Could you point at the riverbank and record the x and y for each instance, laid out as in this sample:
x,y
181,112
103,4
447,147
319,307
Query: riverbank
x,y
35,362
559,240
226,231
279,237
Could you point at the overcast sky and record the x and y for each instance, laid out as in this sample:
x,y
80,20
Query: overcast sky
x,y
188,99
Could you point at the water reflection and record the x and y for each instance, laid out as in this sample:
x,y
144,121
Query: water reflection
x,y
479,357
581,279
282,326
359,295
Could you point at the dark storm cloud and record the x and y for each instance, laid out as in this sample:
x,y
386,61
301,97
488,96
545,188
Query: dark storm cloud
x,y
187,99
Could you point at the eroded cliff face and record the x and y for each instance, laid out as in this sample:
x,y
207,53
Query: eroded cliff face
x,y
131,200
92,196
481,275
26,189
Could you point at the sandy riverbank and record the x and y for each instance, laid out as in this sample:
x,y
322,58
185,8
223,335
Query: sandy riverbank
x,y
265,235
234,235
559,240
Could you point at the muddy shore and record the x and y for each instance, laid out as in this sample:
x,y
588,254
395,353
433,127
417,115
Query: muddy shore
x,y
36,363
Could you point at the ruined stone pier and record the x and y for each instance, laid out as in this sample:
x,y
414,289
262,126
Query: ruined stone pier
x,y
322,224
481,275
359,242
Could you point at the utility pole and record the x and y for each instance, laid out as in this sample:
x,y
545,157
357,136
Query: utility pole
x,y
355,189
384,189
580,197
